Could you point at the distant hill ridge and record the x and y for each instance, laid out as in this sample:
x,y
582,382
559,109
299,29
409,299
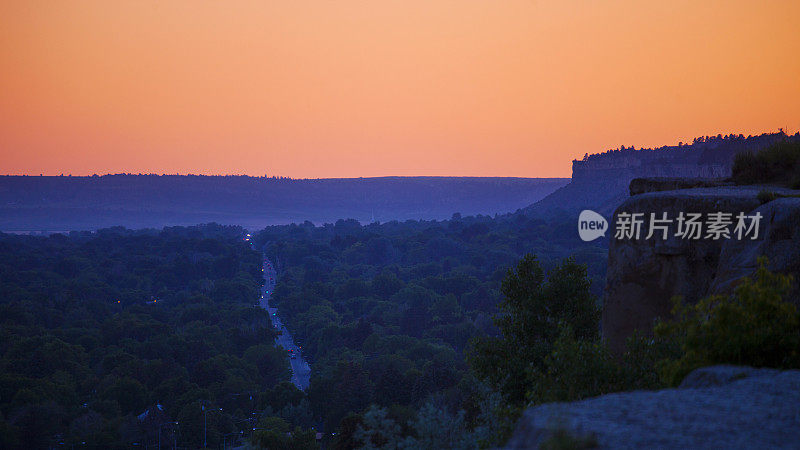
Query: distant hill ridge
x,y
61,203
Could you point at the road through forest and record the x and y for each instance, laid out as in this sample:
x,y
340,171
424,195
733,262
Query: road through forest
x,y
301,371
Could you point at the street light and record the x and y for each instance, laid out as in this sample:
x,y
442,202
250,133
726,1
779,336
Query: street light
x,y
229,434
205,423
159,432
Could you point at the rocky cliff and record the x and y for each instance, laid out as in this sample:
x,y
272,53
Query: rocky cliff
x,y
715,407
708,157
600,181
644,274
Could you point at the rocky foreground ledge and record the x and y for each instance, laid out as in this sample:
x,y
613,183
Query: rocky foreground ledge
x,y
715,407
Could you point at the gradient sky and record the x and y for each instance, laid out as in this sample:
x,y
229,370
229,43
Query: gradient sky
x,y
345,89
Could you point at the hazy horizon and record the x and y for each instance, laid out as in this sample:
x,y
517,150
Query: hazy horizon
x,y
89,175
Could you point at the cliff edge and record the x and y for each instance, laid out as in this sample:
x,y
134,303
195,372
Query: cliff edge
x,y
644,274
600,182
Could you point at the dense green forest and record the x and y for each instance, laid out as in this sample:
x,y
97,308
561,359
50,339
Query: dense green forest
x,y
439,334
420,334
110,337
385,313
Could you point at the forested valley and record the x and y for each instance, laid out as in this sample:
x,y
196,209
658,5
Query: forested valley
x,y
419,334
387,315
109,338
121,337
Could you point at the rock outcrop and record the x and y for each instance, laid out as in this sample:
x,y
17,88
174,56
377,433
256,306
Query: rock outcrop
x,y
644,274
707,158
600,182
780,243
715,407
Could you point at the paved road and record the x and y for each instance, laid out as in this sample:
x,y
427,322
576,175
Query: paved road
x,y
301,371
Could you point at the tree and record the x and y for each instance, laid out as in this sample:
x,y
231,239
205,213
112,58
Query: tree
x,y
378,430
275,433
754,326
271,432
435,427
385,284
128,393
271,362
535,311
577,369
345,435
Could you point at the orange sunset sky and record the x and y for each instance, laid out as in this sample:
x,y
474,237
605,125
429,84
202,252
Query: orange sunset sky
x,y
370,88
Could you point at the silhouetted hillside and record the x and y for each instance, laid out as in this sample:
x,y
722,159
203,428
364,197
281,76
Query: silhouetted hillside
x,y
135,201
600,181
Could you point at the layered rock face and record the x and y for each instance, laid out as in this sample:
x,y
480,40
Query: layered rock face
x,y
780,243
600,182
644,274
715,407
628,168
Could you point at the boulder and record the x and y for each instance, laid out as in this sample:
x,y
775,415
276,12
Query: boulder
x,y
715,407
